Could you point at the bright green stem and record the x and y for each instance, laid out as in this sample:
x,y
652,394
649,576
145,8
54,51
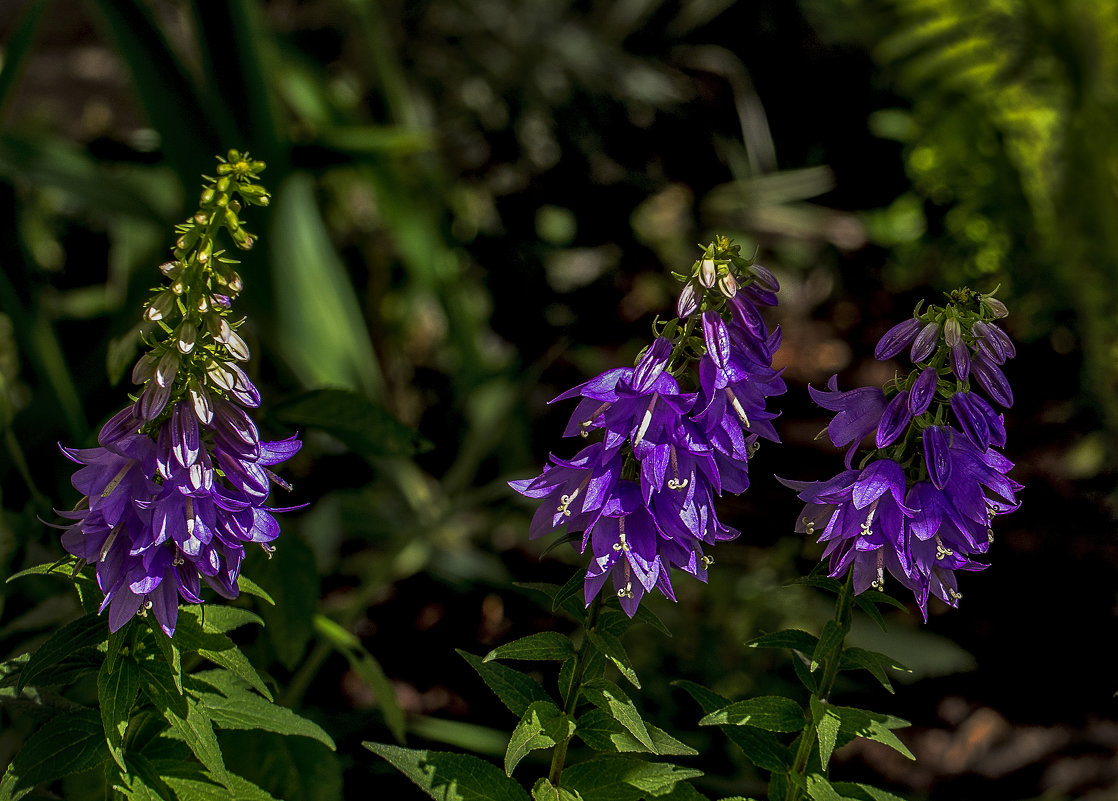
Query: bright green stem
x,y
559,755
829,664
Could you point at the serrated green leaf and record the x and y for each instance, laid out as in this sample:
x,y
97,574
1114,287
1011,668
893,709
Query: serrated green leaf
x,y
223,619
864,792
827,723
871,726
63,567
761,747
542,645
116,693
879,597
69,743
240,789
250,587
646,615
570,589
601,732
829,645
543,725
515,690
612,648
806,677
819,789
768,712
186,716
821,582
615,778
289,768
872,612
235,707
81,633
170,651
876,663
788,638
194,633
451,777
608,697
544,790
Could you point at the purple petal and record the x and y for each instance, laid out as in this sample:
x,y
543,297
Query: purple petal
x,y
923,390
894,420
925,342
897,339
937,455
992,379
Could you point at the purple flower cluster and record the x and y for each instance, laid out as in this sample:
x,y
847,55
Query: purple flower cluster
x,y
643,495
922,504
180,479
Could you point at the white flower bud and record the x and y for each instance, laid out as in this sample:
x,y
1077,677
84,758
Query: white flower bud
x,y
728,285
200,400
952,332
160,306
220,376
708,273
188,333
167,369
238,348
144,369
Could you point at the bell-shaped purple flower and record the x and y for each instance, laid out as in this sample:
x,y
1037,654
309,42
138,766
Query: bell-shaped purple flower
x,y
624,542
573,491
992,379
923,390
978,420
858,412
937,443
960,361
925,342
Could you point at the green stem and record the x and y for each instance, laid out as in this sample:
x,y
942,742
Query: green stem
x,y
559,755
830,664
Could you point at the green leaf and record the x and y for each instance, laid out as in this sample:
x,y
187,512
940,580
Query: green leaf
x,y
876,663
871,726
63,567
827,723
235,707
821,582
761,747
768,712
646,615
365,427
194,633
289,768
223,619
69,743
829,645
819,789
789,638
171,654
186,716
18,48
879,597
368,669
291,577
612,648
515,690
543,725
540,646
77,634
601,732
608,697
544,790
872,612
572,588
617,778
116,693
250,587
201,790
451,777
864,792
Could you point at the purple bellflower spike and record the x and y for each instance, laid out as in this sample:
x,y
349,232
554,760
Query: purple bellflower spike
x,y
574,491
624,542
894,420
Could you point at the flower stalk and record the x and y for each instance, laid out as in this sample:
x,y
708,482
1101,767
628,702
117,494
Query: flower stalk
x,y
582,659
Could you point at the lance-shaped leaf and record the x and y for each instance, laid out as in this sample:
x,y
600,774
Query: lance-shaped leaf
x,y
762,748
829,645
65,744
544,790
543,725
194,633
186,716
864,792
515,690
618,778
75,635
794,639
768,712
871,726
446,776
116,693
608,697
601,732
613,650
876,663
541,646
827,723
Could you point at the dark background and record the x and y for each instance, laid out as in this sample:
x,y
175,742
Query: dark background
x,y
476,206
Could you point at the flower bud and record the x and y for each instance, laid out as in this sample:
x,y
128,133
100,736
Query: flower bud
x,y
152,400
171,269
897,339
238,348
160,306
996,308
764,278
200,401
188,333
144,368
708,273
923,390
167,369
952,332
220,376
688,301
925,342
728,285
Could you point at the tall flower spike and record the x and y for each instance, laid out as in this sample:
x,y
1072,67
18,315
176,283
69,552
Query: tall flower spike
x,y
925,520
180,480
643,495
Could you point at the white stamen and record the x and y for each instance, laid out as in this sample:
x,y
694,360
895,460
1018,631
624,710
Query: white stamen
x,y
109,540
190,516
737,406
622,544
565,502
646,421
627,592
707,561
809,525
112,485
